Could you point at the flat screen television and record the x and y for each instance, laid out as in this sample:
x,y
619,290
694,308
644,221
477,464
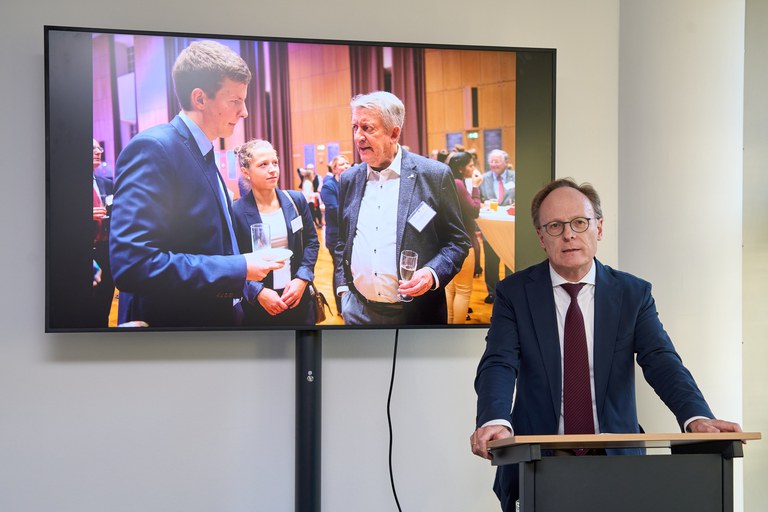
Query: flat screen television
x,y
105,87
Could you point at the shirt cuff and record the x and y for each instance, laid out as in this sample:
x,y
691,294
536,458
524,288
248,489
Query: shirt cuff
x,y
503,423
437,281
691,420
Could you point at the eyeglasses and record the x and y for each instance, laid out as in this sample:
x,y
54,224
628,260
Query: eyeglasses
x,y
556,227
98,149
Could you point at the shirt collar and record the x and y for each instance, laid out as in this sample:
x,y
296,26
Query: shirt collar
x,y
557,279
203,143
394,167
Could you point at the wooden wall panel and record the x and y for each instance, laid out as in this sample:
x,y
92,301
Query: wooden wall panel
x,y
454,110
320,92
450,77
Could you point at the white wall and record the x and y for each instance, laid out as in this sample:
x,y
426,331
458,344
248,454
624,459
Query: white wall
x,y
204,422
755,277
680,184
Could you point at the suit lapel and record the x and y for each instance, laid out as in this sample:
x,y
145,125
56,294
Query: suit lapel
x,y
207,170
608,297
541,303
251,211
289,213
408,177
357,189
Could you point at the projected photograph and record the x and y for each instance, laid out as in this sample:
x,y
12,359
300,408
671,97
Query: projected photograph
x,y
285,183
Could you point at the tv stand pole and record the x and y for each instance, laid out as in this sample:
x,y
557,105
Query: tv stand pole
x,y
309,345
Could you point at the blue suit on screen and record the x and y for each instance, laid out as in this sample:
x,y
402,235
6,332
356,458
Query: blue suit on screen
x,y
171,252
330,196
523,352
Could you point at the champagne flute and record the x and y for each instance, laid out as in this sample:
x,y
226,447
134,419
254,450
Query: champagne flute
x,y
106,202
260,237
408,262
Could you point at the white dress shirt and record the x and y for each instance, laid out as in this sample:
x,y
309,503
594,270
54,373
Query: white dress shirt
x,y
374,263
278,238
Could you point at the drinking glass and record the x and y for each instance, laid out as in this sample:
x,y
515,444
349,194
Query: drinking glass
x,y
260,237
106,202
408,262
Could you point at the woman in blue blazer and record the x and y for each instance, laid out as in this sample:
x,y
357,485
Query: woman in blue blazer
x,y
282,297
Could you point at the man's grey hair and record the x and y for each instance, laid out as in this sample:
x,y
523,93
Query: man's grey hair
x,y
389,107
501,152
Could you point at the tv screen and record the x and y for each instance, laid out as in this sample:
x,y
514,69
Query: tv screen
x,y
386,177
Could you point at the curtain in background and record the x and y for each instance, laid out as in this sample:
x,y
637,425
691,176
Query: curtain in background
x,y
366,73
366,69
409,84
173,47
280,110
257,123
269,108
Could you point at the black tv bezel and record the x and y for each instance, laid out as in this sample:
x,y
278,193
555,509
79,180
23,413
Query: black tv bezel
x,y
66,234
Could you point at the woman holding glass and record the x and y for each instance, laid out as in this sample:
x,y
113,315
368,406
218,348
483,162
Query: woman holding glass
x,y
282,297
457,292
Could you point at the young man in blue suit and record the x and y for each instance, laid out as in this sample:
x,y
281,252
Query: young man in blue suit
x,y
529,336
172,248
393,201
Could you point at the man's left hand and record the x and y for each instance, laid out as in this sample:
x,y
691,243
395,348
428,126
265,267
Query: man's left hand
x,y
709,426
421,282
293,291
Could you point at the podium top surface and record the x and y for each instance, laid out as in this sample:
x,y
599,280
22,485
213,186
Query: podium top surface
x,y
558,442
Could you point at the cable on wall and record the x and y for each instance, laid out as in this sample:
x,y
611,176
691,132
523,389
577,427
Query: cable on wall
x,y
389,420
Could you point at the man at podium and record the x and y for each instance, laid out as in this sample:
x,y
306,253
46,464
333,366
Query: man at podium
x,y
566,333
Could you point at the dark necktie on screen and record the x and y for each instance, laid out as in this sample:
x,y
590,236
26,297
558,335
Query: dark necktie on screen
x,y
577,394
501,189
226,209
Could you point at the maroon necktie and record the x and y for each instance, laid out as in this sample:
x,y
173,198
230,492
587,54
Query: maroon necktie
x,y
577,394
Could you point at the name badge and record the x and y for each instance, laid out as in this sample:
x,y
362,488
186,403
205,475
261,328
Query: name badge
x,y
421,216
296,224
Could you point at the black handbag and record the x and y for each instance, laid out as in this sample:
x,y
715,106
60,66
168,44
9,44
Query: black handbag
x,y
318,299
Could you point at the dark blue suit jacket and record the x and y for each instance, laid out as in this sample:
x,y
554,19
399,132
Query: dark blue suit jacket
x,y
171,254
304,243
442,245
523,351
330,196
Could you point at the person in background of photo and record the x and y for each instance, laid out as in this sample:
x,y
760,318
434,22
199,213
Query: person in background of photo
x,y
329,193
172,247
308,178
395,200
564,338
282,297
498,185
104,292
458,291
476,236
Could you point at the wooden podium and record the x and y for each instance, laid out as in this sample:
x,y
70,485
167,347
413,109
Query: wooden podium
x,y
694,474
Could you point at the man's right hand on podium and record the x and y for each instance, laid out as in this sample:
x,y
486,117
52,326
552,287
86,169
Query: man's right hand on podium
x,y
479,439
